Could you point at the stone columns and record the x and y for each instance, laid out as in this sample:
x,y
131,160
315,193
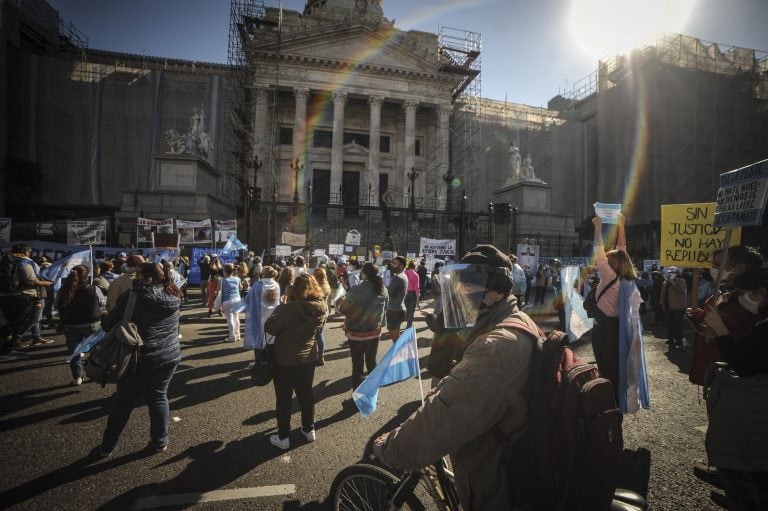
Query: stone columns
x,y
337,148
261,135
410,107
300,136
374,148
443,144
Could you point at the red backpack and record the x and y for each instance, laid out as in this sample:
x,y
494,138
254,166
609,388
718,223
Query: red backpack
x,y
568,458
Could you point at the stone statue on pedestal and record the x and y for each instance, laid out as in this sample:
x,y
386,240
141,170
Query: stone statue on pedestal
x,y
195,141
514,162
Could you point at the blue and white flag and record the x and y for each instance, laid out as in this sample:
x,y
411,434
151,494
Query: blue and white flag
x,y
233,244
87,344
577,323
60,268
399,363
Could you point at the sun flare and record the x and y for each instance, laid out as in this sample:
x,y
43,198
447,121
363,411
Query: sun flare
x,y
608,27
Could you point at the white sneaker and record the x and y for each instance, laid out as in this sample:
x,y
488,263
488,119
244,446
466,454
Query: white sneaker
x,y
77,381
309,435
280,444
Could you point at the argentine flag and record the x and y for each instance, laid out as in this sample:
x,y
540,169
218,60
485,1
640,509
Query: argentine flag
x,y
233,244
60,268
399,363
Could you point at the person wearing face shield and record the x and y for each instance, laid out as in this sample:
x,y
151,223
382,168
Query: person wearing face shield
x,y
737,398
484,393
674,299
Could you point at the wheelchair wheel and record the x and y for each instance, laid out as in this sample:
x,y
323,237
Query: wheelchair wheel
x,y
367,487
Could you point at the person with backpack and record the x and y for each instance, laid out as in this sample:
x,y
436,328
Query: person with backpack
x,y
482,403
156,315
20,293
79,306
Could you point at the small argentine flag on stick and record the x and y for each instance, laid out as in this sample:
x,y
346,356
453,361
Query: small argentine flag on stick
x,y
399,363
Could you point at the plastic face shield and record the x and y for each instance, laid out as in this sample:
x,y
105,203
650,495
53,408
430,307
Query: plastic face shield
x,y
462,288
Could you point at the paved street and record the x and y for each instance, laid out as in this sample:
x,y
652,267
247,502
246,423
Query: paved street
x,y
220,457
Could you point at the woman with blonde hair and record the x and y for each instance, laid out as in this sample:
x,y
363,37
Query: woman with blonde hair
x,y
285,281
294,325
614,299
322,281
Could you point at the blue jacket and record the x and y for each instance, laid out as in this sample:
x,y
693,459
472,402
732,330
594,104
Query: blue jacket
x,y
156,315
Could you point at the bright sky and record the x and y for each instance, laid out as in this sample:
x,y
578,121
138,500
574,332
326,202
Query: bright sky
x,y
532,49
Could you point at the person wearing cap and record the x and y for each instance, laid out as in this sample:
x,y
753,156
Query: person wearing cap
x,y
482,402
124,282
674,301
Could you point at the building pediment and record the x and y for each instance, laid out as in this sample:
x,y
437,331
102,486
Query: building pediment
x,y
360,43
355,149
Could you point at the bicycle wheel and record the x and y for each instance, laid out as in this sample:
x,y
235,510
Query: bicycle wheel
x,y
366,487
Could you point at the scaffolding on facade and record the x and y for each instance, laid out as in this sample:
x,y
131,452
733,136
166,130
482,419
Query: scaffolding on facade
x,y
459,52
239,157
680,51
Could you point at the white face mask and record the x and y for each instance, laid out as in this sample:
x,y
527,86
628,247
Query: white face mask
x,y
749,304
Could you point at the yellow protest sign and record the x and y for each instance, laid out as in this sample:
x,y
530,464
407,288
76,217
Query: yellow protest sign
x,y
688,236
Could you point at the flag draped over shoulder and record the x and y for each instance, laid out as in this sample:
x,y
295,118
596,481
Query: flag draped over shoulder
x,y
60,268
233,244
577,323
633,374
399,363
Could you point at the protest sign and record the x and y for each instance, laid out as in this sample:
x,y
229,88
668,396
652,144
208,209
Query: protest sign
x,y
649,263
293,239
318,252
428,246
5,229
87,232
742,195
146,226
224,229
608,213
198,253
335,249
283,250
353,237
41,228
194,232
688,236
527,255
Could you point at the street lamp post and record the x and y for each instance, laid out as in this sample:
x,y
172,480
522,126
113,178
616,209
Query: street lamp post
x,y
273,245
251,190
462,221
413,176
297,167
309,201
491,227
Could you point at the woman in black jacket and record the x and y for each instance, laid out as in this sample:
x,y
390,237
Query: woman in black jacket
x,y
79,309
294,325
156,315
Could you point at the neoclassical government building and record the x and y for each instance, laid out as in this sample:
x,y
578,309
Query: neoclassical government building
x,y
332,119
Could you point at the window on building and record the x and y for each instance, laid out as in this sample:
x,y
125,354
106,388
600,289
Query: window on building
x,y
417,149
322,138
384,144
286,136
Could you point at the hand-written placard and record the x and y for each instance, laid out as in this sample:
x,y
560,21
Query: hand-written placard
x,y
608,213
742,195
688,236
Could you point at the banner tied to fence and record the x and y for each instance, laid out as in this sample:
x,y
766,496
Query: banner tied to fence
x,y
429,246
87,232
146,226
194,231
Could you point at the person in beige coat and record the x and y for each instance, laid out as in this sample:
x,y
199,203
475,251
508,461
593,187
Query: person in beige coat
x,y
484,389
674,301
124,282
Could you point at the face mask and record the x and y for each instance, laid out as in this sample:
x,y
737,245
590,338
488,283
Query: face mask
x,y
713,272
671,276
749,305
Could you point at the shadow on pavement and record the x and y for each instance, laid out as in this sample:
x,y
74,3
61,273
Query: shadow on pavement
x,y
681,357
213,466
87,410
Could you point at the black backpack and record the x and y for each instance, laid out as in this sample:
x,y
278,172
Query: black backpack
x,y
590,302
10,282
568,457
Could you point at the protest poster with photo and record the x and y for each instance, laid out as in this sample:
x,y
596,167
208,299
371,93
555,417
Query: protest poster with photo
x,y
432,247
353,237
87,232
689,236
648,264
146,226
194,231
528,255
225,229
335,249
5,229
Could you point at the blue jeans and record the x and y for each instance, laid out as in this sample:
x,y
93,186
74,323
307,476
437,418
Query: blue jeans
x,y
37,318
151,382
320,339
74,335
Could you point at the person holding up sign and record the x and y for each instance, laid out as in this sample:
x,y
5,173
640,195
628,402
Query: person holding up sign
x,y
612,266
